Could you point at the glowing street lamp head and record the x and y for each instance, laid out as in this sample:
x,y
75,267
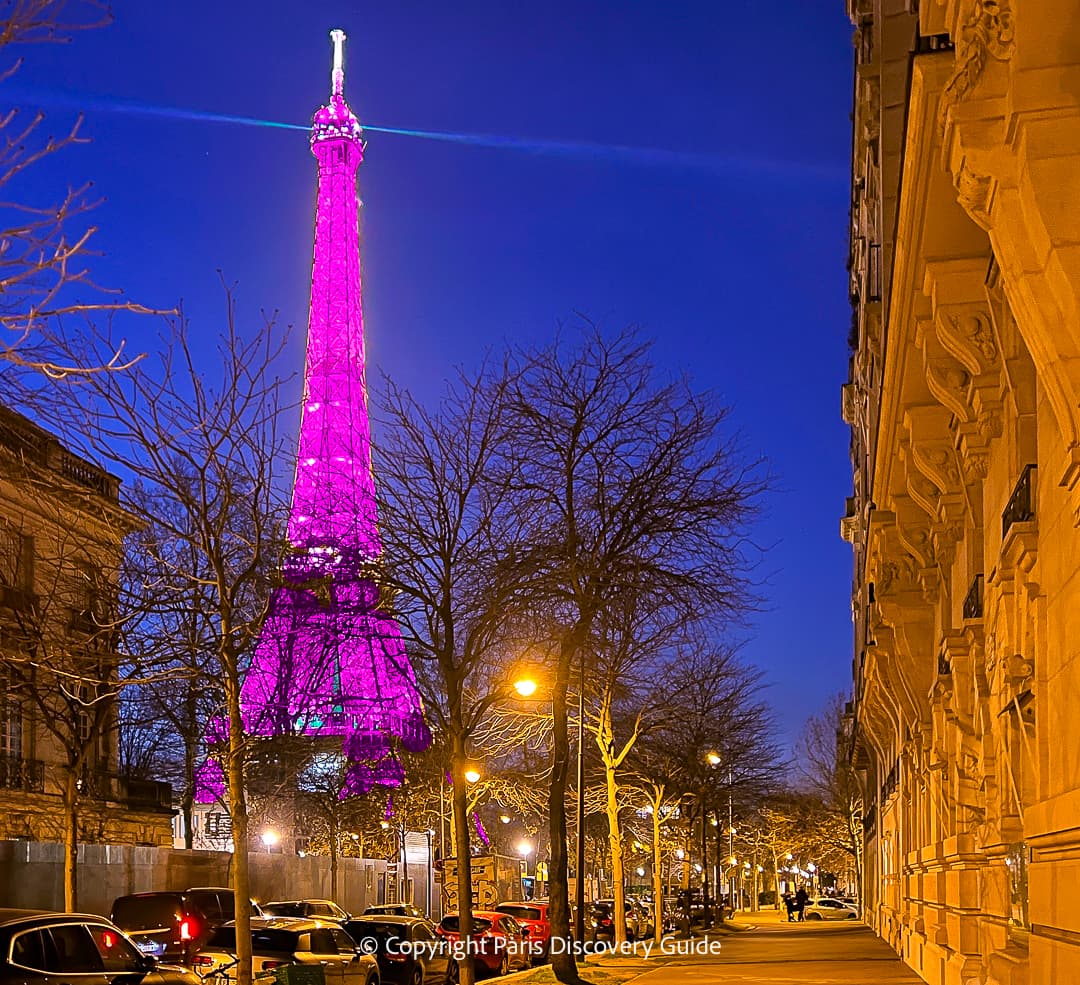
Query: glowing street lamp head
x,y
640,871
270,838
526,687
713,758
525,848
505,818
472,774
679,853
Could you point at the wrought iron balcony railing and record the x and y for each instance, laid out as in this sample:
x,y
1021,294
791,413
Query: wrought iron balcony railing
x,y
973,601
133,793
27,775
1021,505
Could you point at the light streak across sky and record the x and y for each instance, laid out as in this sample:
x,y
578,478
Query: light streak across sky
x,y
649,157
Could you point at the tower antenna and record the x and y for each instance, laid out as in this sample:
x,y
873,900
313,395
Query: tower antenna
x,y
337,76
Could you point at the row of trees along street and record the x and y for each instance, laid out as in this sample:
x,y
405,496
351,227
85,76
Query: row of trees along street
x,y
568,509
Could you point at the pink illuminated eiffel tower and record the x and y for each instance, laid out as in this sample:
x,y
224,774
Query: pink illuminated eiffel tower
x,y
329,662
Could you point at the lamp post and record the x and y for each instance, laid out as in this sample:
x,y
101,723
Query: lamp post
x,y
270,838
579,887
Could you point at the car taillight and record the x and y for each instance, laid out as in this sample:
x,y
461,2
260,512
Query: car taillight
x,y
269,965
187,930
605,923
108,939
202,960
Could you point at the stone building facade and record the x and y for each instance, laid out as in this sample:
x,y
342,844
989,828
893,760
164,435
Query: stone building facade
x,y
61,528
964,406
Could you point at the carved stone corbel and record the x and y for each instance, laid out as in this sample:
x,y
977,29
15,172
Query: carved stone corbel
x,y
986,34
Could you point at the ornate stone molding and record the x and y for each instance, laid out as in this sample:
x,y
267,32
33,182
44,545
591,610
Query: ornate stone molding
x,y
966,333
988,33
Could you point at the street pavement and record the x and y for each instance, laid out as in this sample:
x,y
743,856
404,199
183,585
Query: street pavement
x,y
771,952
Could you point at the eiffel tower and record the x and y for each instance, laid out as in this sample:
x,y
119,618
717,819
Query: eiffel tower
x,y
329,662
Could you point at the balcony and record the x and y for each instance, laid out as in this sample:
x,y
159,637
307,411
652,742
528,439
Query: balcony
x,y
1021,505
133,793
27,775
973,601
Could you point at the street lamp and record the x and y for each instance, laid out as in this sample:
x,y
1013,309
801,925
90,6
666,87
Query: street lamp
x,y
504,818
472,774
525,687
525,850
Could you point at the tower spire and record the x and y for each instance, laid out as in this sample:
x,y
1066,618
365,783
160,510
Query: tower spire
x,y
337,75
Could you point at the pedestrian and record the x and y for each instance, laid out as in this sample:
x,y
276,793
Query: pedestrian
x,y
789,905
801,899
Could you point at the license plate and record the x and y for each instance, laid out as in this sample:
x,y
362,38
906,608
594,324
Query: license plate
x,y
149,947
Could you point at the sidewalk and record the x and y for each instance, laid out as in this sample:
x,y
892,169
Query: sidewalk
x,y
758,948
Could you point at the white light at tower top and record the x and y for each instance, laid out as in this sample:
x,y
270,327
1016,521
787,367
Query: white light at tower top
x,y
337,77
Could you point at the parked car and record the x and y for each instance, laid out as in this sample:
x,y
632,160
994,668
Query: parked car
x,y
599,922
42,948
280,941
534,917
394,910
827,908
501,942
408,950
172,926
638,919
314,909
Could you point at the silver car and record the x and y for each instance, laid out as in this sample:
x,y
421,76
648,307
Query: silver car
x,y
280,941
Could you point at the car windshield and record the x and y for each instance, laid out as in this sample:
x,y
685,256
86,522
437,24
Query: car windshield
x,y
379,932
450,924
283,909
263,940
521,912
147,912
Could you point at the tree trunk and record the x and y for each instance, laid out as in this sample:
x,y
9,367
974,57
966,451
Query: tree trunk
x,y
71,842
615,846
238,813
187,802
563,963
657,874
333,858
460,812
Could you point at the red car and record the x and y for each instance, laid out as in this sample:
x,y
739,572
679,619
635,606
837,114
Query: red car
x,y
534,918
499,941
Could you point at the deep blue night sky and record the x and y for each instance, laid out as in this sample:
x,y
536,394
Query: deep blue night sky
x,y
733,262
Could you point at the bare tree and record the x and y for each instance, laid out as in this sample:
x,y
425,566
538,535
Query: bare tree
x,y
630,485
446,533
45,245
204,444
626,697
828,775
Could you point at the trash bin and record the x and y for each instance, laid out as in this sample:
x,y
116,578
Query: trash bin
x,y
300,974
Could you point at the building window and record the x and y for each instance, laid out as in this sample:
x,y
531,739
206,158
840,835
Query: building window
x,y
11,719
218,825
12,566
1016,861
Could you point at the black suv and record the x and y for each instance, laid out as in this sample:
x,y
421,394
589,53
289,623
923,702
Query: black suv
x,y
172,926
42,948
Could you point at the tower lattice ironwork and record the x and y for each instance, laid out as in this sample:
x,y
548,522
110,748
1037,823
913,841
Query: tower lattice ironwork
x,y
329,661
